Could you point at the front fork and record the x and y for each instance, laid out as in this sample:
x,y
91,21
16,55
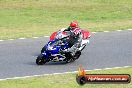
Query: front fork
x,y
45,55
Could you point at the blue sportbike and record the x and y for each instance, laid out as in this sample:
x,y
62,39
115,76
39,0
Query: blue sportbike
x,y
57,48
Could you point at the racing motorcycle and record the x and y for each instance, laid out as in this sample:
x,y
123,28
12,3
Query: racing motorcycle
x,y
57,48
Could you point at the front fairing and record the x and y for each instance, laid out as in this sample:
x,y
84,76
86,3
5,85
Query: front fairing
x,y
54,49
54,46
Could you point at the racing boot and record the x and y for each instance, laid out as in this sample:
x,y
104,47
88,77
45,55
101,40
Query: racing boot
x,y
73,49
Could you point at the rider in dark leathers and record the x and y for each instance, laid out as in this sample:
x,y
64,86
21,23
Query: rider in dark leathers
x,y
75,38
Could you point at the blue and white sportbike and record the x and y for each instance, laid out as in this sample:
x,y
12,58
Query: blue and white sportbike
x,y
57,49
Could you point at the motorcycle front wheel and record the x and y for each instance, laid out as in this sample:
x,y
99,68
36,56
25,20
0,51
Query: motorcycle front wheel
x,y
43,49
40,60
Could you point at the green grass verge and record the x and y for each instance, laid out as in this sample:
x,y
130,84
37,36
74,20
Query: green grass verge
x,y
65,81
27,18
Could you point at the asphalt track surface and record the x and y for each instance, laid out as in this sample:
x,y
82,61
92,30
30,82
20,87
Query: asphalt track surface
x,y
106,50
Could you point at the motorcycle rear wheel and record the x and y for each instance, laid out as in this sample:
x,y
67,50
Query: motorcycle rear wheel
x,y
77,55
68,58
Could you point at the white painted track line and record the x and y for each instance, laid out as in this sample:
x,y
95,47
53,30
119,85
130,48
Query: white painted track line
x,y
62,73
91,32
46,36
94,32
1,40
11,39
119,30
35,37
22,38
129,29
105,31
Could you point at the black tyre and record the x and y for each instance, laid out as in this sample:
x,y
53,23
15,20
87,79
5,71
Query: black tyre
x,y
68,57
43,49
40,60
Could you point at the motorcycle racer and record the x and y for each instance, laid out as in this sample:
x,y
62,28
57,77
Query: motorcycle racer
x,y
76,36
64,45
